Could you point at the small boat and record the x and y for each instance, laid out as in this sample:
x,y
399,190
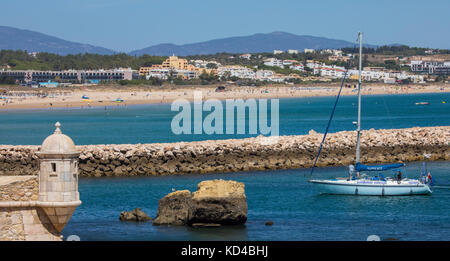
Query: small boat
x,y
118,100
422,103
357,181
85,98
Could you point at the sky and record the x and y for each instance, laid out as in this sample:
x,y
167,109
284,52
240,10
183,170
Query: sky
x,y
125,25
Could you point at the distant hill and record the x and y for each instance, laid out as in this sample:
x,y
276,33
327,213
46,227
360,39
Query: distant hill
x,y
18,39
256,43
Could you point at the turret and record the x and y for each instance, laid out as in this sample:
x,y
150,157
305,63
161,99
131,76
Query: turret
x,y
58,178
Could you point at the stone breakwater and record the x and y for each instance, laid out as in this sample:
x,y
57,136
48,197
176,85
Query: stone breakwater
x,y
234,155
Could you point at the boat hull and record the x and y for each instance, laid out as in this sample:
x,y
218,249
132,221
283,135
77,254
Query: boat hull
x,y
371,189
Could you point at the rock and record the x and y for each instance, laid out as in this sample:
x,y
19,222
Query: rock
x,y
219,201
312,132
174,209
269,223
134,215
216,202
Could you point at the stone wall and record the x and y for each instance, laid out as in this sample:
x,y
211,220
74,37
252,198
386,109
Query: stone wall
x,y
23,188
20,218
377,146
26,223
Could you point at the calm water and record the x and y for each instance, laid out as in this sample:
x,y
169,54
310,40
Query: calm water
x,y
284,197
298,211
151,123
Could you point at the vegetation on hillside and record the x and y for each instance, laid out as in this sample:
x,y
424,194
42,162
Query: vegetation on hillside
x,y
21,60
399,50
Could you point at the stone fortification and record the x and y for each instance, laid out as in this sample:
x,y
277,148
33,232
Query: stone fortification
x,y
241,154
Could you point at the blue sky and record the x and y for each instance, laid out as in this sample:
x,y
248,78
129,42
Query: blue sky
x,y
125,25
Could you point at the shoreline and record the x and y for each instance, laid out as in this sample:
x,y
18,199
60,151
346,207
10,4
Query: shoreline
x,y
66,98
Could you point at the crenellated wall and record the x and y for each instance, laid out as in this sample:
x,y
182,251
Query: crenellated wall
x,y
242,154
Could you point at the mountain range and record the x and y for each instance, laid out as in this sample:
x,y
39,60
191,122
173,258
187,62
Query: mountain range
x,y
256,43
18,39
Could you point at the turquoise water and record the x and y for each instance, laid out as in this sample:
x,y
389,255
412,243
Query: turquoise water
x,y
151,123
298,211
284,197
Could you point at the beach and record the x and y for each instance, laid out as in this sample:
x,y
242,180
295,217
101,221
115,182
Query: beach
x,y
26,98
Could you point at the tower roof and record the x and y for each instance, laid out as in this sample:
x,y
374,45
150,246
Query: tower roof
x,y
58,143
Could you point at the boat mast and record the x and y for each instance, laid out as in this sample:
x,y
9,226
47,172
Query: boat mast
x,y
358,126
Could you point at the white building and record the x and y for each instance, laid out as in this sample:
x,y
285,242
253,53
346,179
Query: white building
x,y
203,64
273,62
277,52
386,77
292,51
297,67
332,71
315,66
289,62
309,50
237,71
326,51
158,73
337,52
245,56
264,75
430,67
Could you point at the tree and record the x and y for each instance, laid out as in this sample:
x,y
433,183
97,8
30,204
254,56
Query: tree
x,y
226,76
211,66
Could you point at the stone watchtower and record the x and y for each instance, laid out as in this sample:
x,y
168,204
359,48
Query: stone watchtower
x,y
58,178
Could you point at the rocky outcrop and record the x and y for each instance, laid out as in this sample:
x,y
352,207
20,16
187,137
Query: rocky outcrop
x,y
234,155
219,202
174,209
216,202
135,215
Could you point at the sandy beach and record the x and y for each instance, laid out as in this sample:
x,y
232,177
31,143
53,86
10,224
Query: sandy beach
x,y
106,96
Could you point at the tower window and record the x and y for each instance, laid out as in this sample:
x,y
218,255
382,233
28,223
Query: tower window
x,y
54,167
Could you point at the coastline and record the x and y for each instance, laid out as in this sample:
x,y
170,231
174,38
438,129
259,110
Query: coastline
x,y
103,97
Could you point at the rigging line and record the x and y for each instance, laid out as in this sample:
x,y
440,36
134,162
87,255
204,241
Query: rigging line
x,y
388,112
329,121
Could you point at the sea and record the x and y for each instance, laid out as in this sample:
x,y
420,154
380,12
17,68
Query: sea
x,y
298,211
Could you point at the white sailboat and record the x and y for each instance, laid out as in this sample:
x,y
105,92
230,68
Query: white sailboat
x,y
359,182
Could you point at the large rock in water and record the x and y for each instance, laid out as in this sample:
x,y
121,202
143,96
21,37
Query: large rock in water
x,y
215,202
174,209
219,202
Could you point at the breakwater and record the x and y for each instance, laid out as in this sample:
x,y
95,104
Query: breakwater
x,y
234,155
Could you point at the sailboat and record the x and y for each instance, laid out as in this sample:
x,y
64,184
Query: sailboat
x,y
358,181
